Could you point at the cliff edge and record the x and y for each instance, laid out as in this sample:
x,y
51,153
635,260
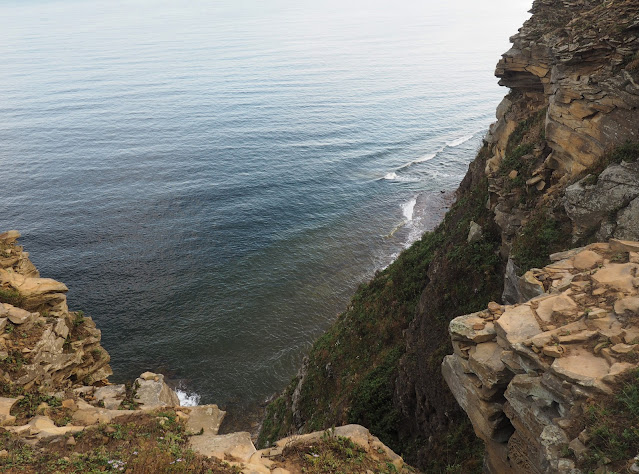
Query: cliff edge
x,y
538,379
557,170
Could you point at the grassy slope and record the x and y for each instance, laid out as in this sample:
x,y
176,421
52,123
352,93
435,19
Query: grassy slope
x,y
352,368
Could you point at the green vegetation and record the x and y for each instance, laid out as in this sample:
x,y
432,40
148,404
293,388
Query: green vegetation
x,y
337,454
612,423
278,420
12,297
13,362
78,319
373,396
143,443
542,235
27,406
359,353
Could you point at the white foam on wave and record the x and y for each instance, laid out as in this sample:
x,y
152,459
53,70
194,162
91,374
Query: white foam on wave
x,y
188,399
459,141
408,208
392,176
421,159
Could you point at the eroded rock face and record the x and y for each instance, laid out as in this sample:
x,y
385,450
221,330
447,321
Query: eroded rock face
x,y
56,348
522,382
609,207
574,65
579,55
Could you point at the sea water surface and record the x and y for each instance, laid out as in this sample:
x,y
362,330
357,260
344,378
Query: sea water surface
x,y
212,179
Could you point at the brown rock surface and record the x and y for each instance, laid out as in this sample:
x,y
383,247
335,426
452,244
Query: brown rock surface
x,y
545,374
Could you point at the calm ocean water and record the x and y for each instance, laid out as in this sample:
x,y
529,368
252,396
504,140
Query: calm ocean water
x,y
212,179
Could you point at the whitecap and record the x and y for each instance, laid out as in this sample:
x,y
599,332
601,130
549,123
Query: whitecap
x,y
459,141
188,399
408,208
390,176
421,159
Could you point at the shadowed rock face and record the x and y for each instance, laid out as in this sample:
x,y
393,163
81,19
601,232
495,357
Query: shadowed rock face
x,y
581,56
523,386
609,207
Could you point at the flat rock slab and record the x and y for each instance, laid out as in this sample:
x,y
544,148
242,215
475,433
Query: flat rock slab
x,y
617,276
581,367
44,427
5,410
233,447
463,328
206,418
29,286
517,324
93,415
617,245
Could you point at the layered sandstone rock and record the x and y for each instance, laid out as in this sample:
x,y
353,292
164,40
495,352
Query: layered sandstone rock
x,y
576,66
580,59
42,343
524,372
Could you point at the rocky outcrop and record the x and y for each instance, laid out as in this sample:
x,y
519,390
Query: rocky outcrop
x,y
573,67
152,392
42,343
609,207
580,59
524,373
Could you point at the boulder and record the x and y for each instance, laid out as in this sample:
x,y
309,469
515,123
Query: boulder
x,y
474,233
111,395
6,404
517,324
471,327
205,418
234,447
589,205
15,315
587,260
152,392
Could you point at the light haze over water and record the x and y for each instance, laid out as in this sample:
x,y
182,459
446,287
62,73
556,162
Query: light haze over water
x,y
213,179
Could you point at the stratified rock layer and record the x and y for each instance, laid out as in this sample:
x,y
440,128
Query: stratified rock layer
x,y
580,59
523,372
42,343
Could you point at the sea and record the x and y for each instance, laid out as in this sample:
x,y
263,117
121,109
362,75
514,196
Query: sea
x,y
213,179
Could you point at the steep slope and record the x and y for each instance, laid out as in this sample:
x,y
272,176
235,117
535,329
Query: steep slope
x,y
557,169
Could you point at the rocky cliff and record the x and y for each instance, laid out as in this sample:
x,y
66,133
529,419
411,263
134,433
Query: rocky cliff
x,y
557,170
530,376
533,374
